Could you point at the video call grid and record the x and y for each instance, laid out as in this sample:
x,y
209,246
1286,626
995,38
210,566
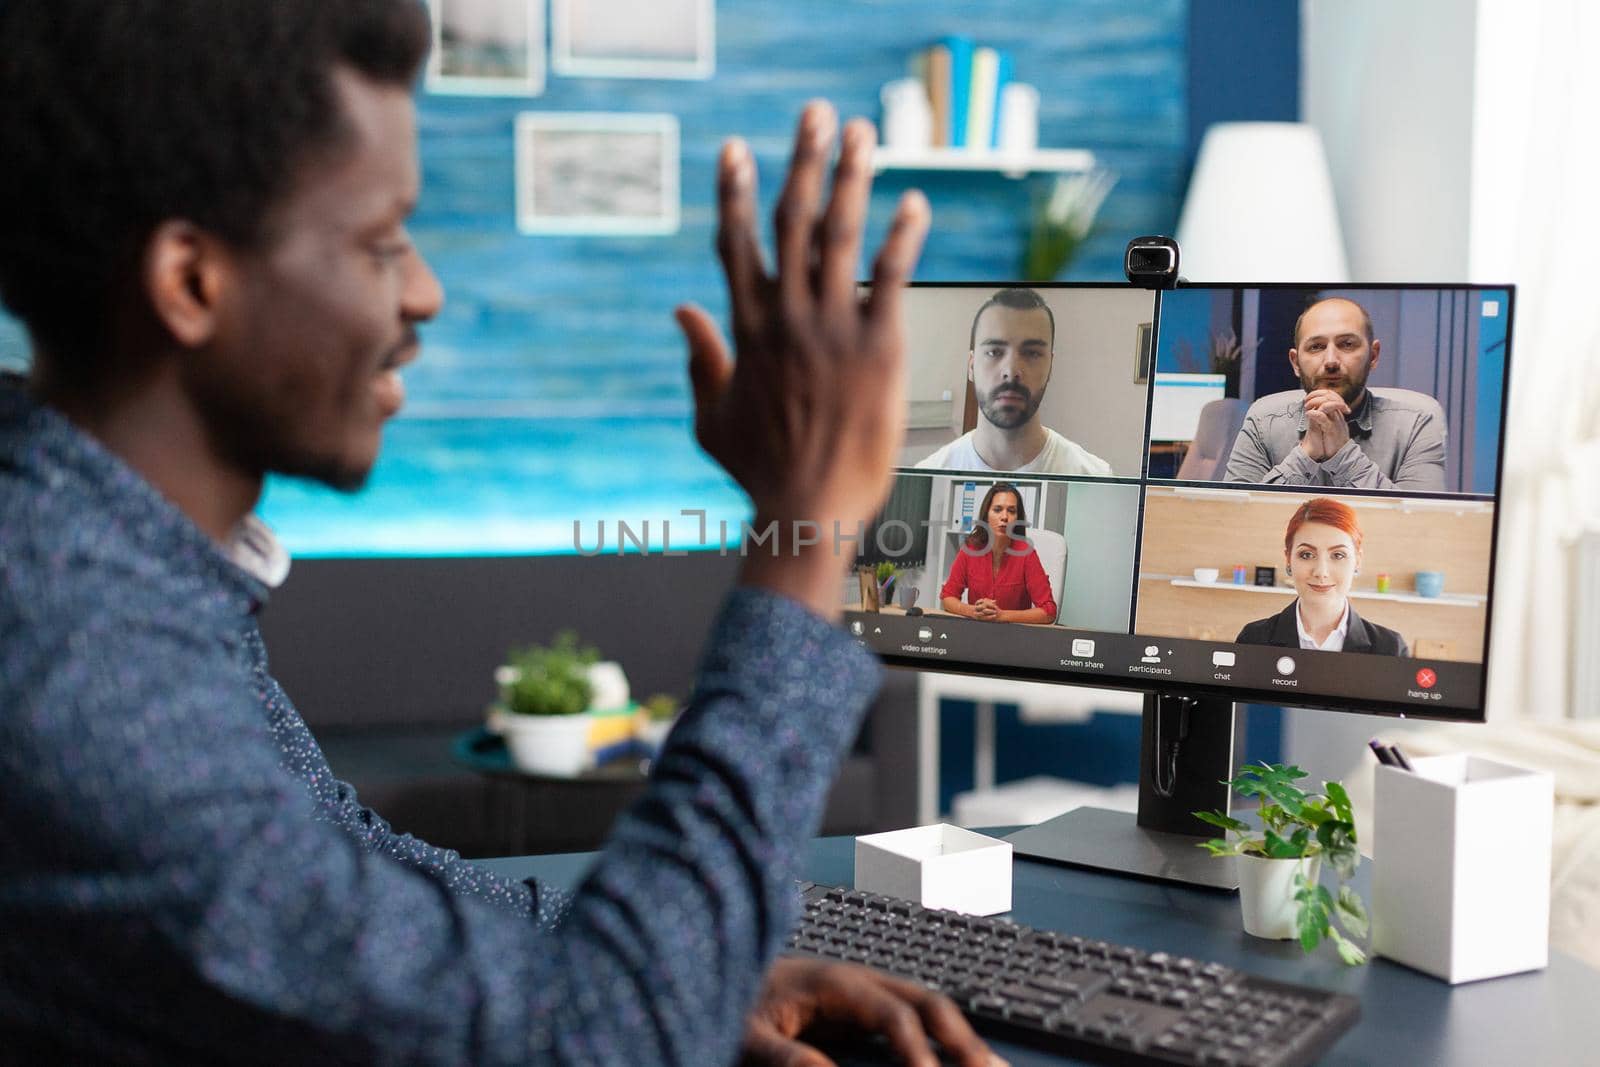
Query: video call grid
x,y
1146,480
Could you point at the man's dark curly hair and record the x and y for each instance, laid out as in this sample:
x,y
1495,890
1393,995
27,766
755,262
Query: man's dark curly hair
x,y
1017,300
116,117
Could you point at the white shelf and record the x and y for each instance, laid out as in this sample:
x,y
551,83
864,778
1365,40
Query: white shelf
x,y
1407,505
1011,164
1448,600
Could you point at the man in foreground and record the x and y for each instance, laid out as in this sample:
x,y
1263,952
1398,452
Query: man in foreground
x,y
1337,432
1010,356
202,225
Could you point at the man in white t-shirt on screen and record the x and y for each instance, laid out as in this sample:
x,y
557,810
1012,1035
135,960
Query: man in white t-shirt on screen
x,y
1011,354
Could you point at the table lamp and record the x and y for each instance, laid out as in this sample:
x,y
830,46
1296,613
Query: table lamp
x,y
1260,208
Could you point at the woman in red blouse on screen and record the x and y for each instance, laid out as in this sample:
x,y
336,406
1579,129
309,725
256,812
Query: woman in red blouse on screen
x,y
997,569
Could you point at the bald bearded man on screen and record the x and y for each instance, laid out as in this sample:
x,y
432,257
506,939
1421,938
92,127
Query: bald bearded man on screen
x,y
1334,431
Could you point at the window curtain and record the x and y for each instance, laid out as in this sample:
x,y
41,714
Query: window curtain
x,y
1551,488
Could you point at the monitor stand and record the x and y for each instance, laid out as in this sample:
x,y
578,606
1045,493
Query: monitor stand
x,y
1189,747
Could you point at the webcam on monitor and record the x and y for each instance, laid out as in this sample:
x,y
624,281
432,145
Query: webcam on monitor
x,y
1152,262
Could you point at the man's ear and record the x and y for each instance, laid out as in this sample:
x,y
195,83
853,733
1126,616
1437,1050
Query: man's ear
x,y
971,355
186,272
1373,362
1294,361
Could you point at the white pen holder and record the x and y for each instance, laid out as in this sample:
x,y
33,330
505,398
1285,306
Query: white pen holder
x,y
1461,867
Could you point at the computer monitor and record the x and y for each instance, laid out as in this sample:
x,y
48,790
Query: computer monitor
x,y
1282,494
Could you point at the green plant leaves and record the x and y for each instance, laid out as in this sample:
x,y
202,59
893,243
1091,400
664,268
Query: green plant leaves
x,y
1352,912
552,680
1311,921
1348,950
1222,822
1289,848
1275,780
1338,840
1048,251
1296,825
1314,919
1341,802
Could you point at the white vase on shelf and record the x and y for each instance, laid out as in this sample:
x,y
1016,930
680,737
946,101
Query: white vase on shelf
x,y
907,115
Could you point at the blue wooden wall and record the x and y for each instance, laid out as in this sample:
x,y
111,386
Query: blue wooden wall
x,y
552,386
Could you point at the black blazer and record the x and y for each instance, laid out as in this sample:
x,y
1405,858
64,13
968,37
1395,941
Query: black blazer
x,y
1280,631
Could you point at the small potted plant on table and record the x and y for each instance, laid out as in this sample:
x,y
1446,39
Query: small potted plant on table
x,y
545,694
884,575
657,717
1279,864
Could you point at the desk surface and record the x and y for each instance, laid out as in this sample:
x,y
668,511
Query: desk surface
x,y
1546,1017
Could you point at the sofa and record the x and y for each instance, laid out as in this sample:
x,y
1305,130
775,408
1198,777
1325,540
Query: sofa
x,y
391,660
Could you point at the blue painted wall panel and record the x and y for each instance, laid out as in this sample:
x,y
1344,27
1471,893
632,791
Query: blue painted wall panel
x,y
552,386
1244,63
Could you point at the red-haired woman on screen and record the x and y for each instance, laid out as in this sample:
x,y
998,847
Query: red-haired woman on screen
x,y
997,569
1322,555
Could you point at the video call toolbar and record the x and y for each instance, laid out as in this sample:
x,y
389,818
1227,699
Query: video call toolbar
x,y
1433,688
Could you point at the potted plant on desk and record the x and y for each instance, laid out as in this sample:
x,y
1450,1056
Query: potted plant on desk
x,y
885,575
545,694
658,715
1279,865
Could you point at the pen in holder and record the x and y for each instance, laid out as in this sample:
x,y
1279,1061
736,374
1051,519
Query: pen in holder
x,y
1461,867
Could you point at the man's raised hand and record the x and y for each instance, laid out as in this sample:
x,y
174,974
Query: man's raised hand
x,y
809,416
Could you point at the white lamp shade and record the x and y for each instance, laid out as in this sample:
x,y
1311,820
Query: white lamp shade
x,y
1260,208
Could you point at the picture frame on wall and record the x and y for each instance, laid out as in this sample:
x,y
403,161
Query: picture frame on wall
x,y
1143,352
487,48
633,38
597,173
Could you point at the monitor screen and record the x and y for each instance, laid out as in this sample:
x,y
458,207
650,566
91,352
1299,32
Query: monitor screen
x,y
1273,493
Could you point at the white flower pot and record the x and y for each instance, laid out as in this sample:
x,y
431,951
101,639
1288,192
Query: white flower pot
x,y
556,745
1266,894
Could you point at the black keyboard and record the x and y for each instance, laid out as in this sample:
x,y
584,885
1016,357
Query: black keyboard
x,y
1076,996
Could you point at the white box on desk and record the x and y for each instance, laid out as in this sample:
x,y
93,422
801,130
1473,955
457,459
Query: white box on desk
x,y
1461,867
938,866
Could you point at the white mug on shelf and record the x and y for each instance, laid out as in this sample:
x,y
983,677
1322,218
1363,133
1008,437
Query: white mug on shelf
x,y
1019,118
907,115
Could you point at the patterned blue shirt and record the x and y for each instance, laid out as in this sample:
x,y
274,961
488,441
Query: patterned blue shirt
x,y
183,880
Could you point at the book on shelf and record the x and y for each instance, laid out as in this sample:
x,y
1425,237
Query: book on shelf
x,y
1001,80
960,50
983,98
937,73
964,84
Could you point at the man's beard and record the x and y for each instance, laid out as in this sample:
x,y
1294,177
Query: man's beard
x,y
1010,419
261,439
1349,389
